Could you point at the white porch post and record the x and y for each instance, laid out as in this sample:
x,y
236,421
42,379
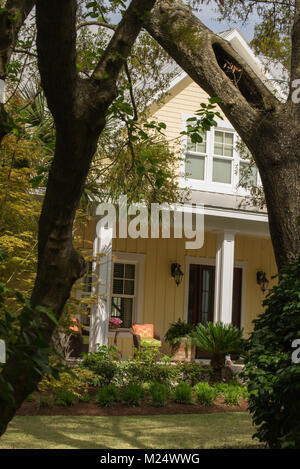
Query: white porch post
x,y
100,311
224,277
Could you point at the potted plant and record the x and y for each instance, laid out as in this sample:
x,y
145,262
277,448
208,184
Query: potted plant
x,y
218,340
115,323
177,336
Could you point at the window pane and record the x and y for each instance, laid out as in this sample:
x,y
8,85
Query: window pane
x,y
218,150
118,286
129,287
228,138
122,308
248,175
223,144
197,147
222,171
129,271
119,270
218,137
228,150
194,167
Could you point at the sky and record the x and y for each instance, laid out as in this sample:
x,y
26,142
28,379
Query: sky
x,y
209,18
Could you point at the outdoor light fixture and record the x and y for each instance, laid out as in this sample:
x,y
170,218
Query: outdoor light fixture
x,y
176,273
262,280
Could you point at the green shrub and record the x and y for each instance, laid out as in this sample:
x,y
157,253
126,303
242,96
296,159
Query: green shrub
x,y
183,393
232,393
193,373
102,363
107,395
133,394
159,394
144,372
44,402
232,396
205,393
273,377
64,397
85,398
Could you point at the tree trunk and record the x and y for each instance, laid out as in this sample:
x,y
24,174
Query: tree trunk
x,y
269,127
79,108
276,150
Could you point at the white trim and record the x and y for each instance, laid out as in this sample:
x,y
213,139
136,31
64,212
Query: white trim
x,y
224,277
139,261
241,215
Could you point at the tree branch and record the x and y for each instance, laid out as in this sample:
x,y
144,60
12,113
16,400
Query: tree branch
x,y
117,51
56,47
11,21
212,63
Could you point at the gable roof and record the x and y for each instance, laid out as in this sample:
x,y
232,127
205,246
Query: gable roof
x,y
270,78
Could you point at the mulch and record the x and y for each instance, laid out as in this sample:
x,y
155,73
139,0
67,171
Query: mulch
x,y
119,409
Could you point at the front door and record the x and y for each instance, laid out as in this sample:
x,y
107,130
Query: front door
x,y
202,297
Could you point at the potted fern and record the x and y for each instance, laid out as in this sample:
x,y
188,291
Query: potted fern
x,y
178,337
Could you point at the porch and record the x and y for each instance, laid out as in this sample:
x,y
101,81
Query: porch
x,y
219,281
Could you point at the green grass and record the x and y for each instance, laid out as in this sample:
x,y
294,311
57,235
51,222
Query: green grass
x,y
230,430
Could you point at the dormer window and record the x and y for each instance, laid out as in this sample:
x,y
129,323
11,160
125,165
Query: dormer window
x,y
215,164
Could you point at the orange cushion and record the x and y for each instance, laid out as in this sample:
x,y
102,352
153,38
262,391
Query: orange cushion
x,y
146,331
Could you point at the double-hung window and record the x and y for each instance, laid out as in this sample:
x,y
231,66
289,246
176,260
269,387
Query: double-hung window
x,y
123,292
215,164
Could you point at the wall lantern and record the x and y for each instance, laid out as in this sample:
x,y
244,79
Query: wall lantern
x,y
176,273
262,280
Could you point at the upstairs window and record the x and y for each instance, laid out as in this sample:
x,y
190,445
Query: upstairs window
x,y
216,165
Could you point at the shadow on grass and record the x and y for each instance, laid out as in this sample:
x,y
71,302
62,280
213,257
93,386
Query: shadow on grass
x,y
228,430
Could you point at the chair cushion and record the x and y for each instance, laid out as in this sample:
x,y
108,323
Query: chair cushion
x,y
145,331
150,343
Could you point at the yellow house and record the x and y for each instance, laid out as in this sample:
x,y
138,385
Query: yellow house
x,y
221,279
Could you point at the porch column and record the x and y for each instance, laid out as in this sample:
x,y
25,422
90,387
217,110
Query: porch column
x,y
224,277
100,312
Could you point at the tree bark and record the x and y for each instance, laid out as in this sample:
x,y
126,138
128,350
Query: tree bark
x,y
78,107
269,128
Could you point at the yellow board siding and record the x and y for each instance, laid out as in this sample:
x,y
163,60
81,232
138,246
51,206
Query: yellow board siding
x,y
163,300
185,98
258,253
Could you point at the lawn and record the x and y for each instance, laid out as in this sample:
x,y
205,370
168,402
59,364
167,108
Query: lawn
x,y
230,430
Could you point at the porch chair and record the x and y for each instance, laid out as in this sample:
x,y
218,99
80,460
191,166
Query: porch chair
x,y
145,336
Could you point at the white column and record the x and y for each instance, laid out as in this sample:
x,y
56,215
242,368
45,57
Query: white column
x,y
224,277
100,312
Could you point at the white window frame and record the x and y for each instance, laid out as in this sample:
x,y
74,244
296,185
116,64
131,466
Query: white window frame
x,y
207,184
139,261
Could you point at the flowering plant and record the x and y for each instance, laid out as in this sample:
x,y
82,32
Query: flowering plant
x,y
115,322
